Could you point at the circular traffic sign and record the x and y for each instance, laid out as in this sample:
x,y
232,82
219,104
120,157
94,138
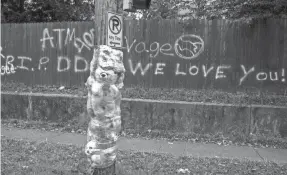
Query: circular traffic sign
x,y
115,25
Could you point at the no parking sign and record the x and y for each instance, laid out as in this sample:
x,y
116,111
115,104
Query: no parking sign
x,y
115,30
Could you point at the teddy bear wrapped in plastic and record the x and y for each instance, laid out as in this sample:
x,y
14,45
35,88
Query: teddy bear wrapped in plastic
x,y
103,105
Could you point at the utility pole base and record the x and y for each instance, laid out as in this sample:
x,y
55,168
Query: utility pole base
x,y
111,170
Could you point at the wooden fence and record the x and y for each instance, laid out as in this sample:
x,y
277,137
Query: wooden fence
x,y
202,54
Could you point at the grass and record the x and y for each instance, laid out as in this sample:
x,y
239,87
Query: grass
x,y
203,95
29,158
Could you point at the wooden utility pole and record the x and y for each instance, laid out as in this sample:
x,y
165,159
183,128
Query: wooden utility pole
x,y
101,9
109,32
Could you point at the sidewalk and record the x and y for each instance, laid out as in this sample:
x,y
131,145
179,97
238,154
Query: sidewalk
x,y
158,146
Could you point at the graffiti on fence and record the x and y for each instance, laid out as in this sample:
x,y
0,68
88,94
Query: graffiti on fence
x,y
65,37
172,57
193,45
8,68
187,46
87,40
218,72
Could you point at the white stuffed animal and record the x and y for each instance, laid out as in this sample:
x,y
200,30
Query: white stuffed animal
x,y
97,156
103,105
91,147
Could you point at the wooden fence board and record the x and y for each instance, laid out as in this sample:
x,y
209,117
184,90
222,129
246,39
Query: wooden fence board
x,y
199,54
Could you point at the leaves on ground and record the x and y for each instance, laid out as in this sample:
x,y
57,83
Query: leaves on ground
x,y
24,157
